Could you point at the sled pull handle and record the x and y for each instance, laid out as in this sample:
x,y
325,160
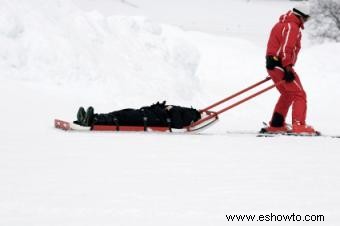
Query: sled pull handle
x,y
235,95
248,98
215,114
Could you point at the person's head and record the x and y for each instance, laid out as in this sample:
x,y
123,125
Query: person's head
x,y
302,10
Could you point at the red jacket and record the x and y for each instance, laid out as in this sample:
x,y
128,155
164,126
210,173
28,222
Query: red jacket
x,y
285,39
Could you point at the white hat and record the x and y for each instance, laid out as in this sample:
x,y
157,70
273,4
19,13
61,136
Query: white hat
x,y
302,9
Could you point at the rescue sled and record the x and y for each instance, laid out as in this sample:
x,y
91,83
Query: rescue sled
x,y
209,116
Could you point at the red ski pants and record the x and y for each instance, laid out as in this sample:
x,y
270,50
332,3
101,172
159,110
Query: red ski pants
x,y
292,94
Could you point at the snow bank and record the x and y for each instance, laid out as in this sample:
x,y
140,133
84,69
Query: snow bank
x,y
55,42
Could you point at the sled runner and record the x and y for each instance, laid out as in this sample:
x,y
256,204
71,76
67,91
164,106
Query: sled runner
x,y
208,116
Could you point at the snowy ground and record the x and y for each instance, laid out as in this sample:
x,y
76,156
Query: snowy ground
x,y
55,57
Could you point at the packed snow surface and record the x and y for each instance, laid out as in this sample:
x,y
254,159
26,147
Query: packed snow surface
x,y
59,55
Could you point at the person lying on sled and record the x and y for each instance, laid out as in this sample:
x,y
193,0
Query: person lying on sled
x,y
158,114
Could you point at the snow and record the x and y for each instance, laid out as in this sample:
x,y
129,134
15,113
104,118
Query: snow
x,y
59,55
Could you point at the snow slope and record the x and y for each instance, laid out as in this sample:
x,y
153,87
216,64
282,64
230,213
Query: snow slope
x,y
55,57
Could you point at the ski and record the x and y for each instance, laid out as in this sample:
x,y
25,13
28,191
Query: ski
x,y
263,134
267,134
317,134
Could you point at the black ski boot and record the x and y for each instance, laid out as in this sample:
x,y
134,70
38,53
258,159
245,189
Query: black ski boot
x,y
88,120
80,116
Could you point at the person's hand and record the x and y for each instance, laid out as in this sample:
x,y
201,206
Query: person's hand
x,y
289,75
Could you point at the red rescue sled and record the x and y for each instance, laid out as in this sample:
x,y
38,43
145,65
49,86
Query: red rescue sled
x,y
208,116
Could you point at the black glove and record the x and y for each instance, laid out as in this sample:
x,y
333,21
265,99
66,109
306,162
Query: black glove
x,y
289,75
272,62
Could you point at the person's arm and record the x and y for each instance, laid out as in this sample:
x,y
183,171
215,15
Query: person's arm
x,y
290,40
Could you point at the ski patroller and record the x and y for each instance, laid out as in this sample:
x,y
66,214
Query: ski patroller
x,y
209,115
